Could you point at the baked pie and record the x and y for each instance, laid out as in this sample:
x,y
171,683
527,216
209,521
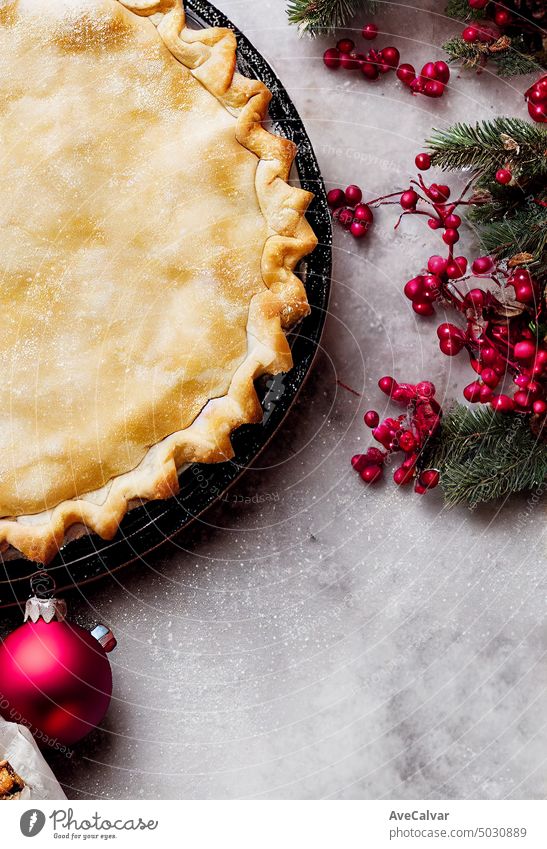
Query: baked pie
x,y
11,784
148,241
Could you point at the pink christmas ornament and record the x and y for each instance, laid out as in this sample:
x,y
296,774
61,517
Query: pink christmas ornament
x,y
55,676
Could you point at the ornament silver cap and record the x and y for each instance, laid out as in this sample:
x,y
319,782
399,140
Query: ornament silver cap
x,y
48,609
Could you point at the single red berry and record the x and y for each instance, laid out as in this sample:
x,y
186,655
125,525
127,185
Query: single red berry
x,y
387,384
486,394
503,176
482,265
502,403
414,289
472,392
335,198
449,331
428,71
345,45
522,398
353,195
502,17
434,223
489,377
423,308
359,461
425,389
520,275
535,94
407,441
423,161
451,347
521,380
403,393
374,456
369,32
451,236
524,293
452,221
444,194
470,34
456,267
434,88
331,58
350,61
390,56
372,419
475,299
524,350
489,356
409,199
363,212
370,70
429,478
442,71
419,488
478,4
403,476
358,229
539,407
344,216
432,287
437,264
538,112
406,73
417,85
371,474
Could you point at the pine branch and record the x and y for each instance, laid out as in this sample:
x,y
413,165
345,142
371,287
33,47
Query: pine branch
x,y
523,233
490,144
472,55
462,11
484,455
515,60
323,17
509,55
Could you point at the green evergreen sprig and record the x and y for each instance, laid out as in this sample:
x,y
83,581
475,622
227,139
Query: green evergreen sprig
x,y
462,11
483,455
491,144
513,218
510,60
323,17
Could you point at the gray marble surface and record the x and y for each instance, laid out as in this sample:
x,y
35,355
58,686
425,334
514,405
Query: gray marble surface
x,y
309,637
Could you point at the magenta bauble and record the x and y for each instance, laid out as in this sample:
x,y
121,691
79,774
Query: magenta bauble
x,y
55,678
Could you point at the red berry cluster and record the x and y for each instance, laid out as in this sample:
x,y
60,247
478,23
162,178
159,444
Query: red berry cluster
x,y
536,97
499,17
408,433
497,345
431,81
349,211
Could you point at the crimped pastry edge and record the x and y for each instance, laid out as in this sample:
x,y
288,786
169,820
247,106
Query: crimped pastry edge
x,y
210,55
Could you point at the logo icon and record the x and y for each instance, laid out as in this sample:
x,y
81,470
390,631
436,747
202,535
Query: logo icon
x,y
32,822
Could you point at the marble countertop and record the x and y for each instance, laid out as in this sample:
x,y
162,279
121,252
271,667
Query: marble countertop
x,y
310,637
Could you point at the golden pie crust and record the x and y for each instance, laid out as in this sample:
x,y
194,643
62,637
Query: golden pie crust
x,y
148,241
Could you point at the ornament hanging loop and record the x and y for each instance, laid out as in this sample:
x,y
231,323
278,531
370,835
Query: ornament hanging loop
x,y
42,603
42,585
